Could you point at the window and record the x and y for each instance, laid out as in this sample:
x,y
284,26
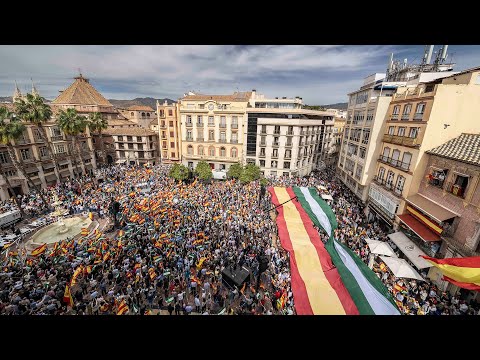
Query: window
x,y
223,152
276,130
275,153
262,163
171,134
386,152
459,186
290,130
358,172
211,151
148,114
162,114
199,120
406,111
429,88
262,151
362,152
190,150
264,129
129,138
189,135
396,110
139,139
381,173
275,141
389,181
143,114
273,164
366,136
170,123
4,158
170,112
132,114
223,121
407,158
369,116
164,144
395,157
437,177
43,151
130,146
262,140
286,164
234,138
55,131
172,154
200,134
234,122
60,149
37,135
164,154
211,121
391,130
413,133
172,144
189,120
200,150
234,152
140,146
211,135
288,154
190,165
223,136
401,131
399,185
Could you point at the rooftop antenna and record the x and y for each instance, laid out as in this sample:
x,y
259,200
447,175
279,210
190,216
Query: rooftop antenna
x,y
430,52
444,53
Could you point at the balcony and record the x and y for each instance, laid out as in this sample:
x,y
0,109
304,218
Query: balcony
x,y
289,133
234,141
394,162
394,117
274,156
405,116
22,141
223,126
163,125
211,124
200,138
288,144
57,138
456,190
276,144
418,117
263,144
401,140
222,141
288,156
234,126
189,124
263,131
200,124
211,158
436,182
261,155
188,138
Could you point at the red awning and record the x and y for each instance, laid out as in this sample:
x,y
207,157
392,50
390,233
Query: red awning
x,y
419,228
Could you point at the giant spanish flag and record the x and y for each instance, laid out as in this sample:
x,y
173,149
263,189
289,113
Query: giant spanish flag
x,y
462,272
39,250
327,279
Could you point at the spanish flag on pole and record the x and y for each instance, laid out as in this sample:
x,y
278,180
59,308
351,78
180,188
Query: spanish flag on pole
x,y
39,250
122,308
462,272
67,296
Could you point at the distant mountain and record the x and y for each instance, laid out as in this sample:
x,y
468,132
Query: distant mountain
x,y
5,99
339,106
148,101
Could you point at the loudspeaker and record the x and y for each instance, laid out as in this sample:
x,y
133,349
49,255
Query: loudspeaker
x,y
237,277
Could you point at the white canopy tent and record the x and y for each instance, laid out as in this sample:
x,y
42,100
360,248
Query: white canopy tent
x,y
410,249
327,197
380,248
400,268
321,187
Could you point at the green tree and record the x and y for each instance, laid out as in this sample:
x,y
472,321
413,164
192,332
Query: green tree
x,y
203,171
251,172
33,109
263,181
73,124
10,131
179,172
235,171
97,123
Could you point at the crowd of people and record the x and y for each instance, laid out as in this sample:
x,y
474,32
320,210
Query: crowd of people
x,y
174,241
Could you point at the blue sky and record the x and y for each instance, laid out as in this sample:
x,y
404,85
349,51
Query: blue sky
x,y
319,74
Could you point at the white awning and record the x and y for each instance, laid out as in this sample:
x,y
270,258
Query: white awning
x,y
410,249
400,268
380,247
327,197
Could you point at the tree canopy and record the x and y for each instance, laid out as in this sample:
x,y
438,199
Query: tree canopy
x,y
250,172
179,172
235,171
203,171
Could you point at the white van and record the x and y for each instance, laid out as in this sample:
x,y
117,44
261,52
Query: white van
x,y
9,218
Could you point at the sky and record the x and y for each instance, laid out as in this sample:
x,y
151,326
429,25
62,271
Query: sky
x,y
320,74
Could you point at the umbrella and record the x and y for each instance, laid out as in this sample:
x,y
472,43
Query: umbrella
x,y
400,268
380,248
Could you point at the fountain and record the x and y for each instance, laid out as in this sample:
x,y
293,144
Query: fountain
x,y
62,227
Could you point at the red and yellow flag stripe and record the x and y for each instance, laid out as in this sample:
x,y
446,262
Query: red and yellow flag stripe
x,y
316,284
463,272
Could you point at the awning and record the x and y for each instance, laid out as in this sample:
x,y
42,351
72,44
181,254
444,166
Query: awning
x,y
400,268
419,228
327,197
48,166
64,162
411,251
49,178
379,214
437,212
31,170
380,247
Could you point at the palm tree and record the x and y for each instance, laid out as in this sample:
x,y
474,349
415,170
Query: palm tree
x,y
71,123
97,123
12,131
34,110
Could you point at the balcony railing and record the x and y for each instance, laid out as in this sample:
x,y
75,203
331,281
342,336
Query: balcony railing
x,y
456,190
234,141
200,124
222,141
22,141
405,116
199,138
394,162
261,155
288,156
263,144
223,126
57,138
418,116
289,133
401,140
288,144
189,124
394,117
274,156
189,138
234,126
276,144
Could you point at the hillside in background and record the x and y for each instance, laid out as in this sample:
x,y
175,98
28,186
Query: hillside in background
x,y
339,106
5,99
148,101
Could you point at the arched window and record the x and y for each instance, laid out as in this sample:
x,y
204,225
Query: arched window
x,y
381,173
190,150
132,114
211,151
222,152
143,114
234,152
148,114
200,150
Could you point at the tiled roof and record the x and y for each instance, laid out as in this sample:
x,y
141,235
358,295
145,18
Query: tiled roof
x,y
81,92
136,131
118,122
140,108
465,148
236,96
154,122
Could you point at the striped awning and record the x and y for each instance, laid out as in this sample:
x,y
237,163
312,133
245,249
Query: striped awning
x,y
433,210
419,228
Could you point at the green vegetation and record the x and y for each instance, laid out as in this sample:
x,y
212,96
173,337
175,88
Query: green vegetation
x,y
203,171
250,172
179,172
235,171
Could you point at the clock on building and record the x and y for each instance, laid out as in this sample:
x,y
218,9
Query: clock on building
x,y
210,106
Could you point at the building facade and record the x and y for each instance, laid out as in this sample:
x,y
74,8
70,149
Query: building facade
x,y
139,114
135,146
211,128
418,119
168,130
335,144
283,139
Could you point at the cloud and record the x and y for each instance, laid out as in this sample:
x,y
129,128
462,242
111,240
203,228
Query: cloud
x,y
319,74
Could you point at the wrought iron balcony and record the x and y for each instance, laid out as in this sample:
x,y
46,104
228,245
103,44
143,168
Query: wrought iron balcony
x,y
401,140
395,163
